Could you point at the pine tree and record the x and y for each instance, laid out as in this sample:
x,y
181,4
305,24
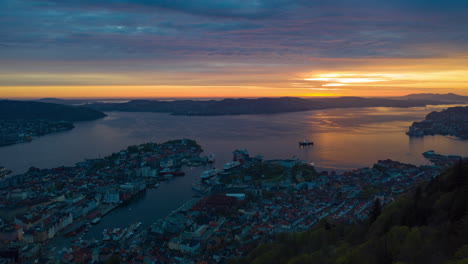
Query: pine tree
x,y
375,212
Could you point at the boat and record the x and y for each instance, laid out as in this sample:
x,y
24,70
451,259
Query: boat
x,y
106,235
209,174
156,185
200,188
114,234
96,220
194,163
4,172
306,143
231,165
138,225
129,235
171,172
74,229
211,158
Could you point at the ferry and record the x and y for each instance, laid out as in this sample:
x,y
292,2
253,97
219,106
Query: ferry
x,y
306,143
231,165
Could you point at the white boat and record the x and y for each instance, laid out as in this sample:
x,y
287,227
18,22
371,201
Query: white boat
x,y
231,165
118,234
129,235
211,158
200,188
96,220
106,235
137,225
209,173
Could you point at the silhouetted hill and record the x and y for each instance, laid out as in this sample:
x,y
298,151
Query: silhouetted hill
x,y
253,106
63,101
53,112
449,97
427,226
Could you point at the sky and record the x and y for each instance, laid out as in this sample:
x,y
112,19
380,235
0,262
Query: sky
x,y
232,48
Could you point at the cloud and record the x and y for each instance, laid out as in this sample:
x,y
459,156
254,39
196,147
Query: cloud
x,y
282,37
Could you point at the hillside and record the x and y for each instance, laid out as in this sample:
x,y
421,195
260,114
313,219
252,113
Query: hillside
x,y
253,106
10,110
429,225
451,121
449,97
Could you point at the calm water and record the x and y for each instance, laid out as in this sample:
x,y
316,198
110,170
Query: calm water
x,y
344,139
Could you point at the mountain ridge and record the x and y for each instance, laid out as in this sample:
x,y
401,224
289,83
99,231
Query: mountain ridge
x,y
254,106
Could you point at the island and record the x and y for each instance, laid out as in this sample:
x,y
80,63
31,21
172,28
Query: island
x,y
249,201
452,121
21,121
256,106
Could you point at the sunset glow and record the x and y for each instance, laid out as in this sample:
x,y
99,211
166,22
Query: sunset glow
x,y
294,48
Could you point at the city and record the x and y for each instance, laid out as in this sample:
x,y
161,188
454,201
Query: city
x,y
239,208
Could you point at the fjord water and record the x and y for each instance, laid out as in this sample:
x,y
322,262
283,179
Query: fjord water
x,y
344,139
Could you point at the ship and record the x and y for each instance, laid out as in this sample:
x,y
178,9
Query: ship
x,y
231,165
96,220
306,143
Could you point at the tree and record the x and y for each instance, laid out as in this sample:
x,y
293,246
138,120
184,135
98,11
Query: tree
x,y
375,212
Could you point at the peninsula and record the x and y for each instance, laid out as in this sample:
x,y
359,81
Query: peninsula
x,y
21,121
452,121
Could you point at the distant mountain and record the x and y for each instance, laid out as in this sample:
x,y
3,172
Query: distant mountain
x,y
80,101
449,97
253,106
63,101
54,112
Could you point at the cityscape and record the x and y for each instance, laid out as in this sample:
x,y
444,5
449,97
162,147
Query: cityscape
x,y
233,132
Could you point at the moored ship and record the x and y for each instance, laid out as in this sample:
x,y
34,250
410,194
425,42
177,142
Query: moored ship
x,y
306,143
199,187
231,165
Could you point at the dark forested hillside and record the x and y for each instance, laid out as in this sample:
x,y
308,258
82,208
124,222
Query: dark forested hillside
x,y
54,112
427,226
